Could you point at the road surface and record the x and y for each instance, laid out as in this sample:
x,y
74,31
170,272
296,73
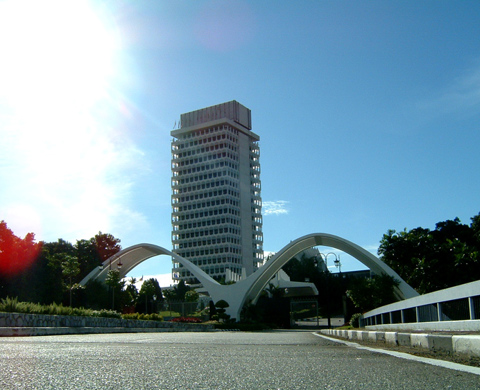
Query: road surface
x,y
216,360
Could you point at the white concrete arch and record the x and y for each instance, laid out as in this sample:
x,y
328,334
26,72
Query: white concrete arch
x,y
249,289
323,239
134,255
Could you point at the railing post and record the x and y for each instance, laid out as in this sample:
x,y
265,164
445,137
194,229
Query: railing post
x,y
417,314
391,317
439,310
402,316
471,308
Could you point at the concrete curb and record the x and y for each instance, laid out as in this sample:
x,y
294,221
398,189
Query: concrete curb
x,y
468,345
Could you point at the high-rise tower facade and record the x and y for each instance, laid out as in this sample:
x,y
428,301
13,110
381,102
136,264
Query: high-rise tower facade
x,y
216,201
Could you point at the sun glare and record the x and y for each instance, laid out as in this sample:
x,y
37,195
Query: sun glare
x,y
54,52
59,108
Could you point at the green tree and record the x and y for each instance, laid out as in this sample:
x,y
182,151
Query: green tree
x,y
16,254
177,293
431,260
132,290
368,294
330,289
180,290
106,245
70,269
96,296
53,254
149,297
116,285
87,255
191,296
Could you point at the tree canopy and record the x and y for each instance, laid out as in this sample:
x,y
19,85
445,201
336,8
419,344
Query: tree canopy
x,y
431,260
16,254
47,272
149,296
367,294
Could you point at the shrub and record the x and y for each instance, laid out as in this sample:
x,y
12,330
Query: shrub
x,y
142,317
131,316
156,317
106,313
355,320
11,305
221,305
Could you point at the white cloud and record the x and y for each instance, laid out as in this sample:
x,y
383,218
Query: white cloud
x,y
276,207
462,94
372,249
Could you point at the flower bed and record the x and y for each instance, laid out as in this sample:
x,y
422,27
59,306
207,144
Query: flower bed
x,y
189,320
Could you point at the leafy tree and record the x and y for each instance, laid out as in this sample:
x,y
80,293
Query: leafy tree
x,y
53,254
106,245
170,295
95,295
367,294
273,291
330,289
49,272
116,284
149,297
132,290
87,255
178,292
70,269
475,226
16,254
431,260
191,296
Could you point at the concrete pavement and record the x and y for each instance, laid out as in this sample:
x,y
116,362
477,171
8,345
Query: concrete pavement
x,y
212,360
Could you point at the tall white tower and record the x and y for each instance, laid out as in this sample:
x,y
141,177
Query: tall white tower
x,y
216,202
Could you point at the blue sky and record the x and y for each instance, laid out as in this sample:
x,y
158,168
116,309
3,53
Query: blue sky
x,y
368,113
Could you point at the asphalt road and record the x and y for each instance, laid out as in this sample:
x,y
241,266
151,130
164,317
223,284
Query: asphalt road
x,y
217,360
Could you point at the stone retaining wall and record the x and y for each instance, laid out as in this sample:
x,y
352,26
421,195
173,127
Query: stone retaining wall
x,y
19,320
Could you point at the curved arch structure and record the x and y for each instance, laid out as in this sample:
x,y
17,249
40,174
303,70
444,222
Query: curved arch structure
x,y
249,289
134,255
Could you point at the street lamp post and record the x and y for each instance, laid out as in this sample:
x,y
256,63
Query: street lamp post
x,y
338,264
154,300
324,257
119,266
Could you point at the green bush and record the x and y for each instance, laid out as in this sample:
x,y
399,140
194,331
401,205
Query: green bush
x,y
143,317
11,305
131,316
355,320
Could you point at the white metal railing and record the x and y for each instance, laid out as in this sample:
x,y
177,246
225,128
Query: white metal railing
x,y
458,303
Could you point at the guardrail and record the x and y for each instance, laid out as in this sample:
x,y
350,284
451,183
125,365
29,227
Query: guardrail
x,y
455,308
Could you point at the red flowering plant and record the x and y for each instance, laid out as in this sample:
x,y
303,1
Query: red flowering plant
x,y
190,320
